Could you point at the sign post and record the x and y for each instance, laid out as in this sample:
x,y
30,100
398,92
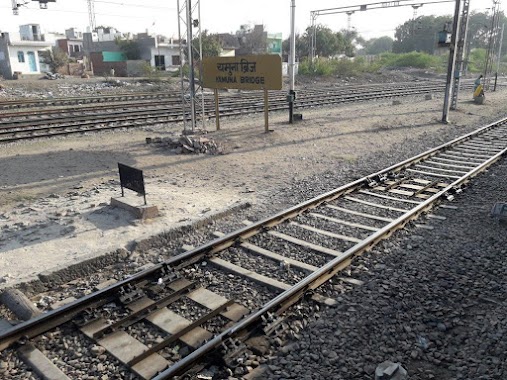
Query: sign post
x,y
217,110
266,111
249,72
132,179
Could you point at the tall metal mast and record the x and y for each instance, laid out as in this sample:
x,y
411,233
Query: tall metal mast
x,y
460,61
313,37
189,33
451,66
493,35
91,15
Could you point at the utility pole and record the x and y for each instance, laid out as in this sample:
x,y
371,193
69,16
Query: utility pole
x,y
452,62
499,58
313,37
189,29
292,60
91,15
491,44
349,20
460,62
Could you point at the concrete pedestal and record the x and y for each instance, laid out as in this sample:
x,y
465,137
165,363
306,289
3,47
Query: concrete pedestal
x,y
139,212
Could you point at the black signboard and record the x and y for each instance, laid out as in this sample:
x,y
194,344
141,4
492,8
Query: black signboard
x,y
132,179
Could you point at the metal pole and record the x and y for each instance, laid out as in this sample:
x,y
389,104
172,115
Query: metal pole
x,y
266,111
182,75
500,49
201,73
313,37
452,63
292,60
491,47
462,40
191,76
217,110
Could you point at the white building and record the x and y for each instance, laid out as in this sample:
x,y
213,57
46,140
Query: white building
x,y
21,55
165,55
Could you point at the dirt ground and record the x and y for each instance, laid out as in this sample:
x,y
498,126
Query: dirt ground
x,y
55,193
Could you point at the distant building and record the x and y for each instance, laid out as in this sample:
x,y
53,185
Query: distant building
x,y
252,41
161,52
158,51
72,44
21,55
229,43
31,32
248,40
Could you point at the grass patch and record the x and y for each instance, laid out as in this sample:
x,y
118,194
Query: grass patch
x,y
357,66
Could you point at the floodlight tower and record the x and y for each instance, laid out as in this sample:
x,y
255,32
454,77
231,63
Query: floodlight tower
x,y
189,34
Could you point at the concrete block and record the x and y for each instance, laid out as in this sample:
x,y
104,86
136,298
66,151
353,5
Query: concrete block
x,y
139,212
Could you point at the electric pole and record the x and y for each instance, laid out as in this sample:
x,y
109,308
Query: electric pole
x,y
292,60
91,15
451,67
189,30
460,61
490,55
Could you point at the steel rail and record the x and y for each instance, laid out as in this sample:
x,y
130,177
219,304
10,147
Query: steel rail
x,y
54,318
31,126
89,107
228,102
318,277
97,100
25,103
170,94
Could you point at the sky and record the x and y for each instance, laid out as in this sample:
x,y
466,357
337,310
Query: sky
x,y
218,16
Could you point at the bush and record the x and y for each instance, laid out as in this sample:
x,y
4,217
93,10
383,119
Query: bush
x,y
477,60
151,72
320,67
348,67
328,67
413,59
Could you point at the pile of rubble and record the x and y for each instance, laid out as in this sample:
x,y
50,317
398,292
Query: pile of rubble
x,y
188,144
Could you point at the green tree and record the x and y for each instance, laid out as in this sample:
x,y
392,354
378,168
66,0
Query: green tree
x,y
328,43
302,46
419,34
210,45
477,60
478,30
55,58
130,48
379,45
252,40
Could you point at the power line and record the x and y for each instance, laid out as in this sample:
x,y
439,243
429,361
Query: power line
x,y
133,5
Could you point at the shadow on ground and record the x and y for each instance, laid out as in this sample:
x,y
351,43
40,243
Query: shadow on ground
x,y
25,169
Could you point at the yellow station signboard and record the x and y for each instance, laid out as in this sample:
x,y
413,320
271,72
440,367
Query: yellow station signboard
x,y
248,72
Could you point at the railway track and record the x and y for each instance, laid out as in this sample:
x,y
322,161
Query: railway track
x,y
79,100
125,97
17,126
280,259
